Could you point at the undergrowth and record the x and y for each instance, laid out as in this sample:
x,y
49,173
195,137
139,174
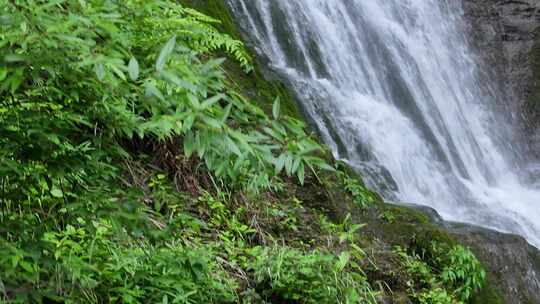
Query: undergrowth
x,y
451,275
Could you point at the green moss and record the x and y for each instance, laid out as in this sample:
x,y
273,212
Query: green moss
x,y
407,224
262,91
488,295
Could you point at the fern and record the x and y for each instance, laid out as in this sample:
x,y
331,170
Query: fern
x,y
194,29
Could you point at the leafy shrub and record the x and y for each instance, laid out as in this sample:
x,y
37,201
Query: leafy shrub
x,y
80,81
90,266
360,194
462,272
105,71
452,273
284,274
435,296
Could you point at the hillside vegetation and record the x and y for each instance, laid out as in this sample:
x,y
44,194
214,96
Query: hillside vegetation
x,y
137,167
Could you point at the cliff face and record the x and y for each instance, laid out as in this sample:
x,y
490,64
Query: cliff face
x,y
505,33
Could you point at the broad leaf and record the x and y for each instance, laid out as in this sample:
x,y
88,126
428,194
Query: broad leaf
x,y
164,54
276,108
133,69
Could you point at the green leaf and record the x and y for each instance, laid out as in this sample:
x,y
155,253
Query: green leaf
x,y
15,81
288,164
343,260
322,164
3,73
226,113
100,71
194,101
164,54
172,78
27,266
301,173
189,144
274,134
133,69
231,145
24,27
214,123
280,163
14,58
118,72
210,101
152,90
55,192
295,164
275,108
188,122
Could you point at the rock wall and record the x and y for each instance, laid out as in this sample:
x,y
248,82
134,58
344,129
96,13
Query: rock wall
x,y
505,34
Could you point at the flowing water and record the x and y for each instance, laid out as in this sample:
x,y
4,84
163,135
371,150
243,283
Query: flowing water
x,y
394,89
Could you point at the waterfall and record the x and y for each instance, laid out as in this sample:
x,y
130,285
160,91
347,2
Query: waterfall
x,y
394,89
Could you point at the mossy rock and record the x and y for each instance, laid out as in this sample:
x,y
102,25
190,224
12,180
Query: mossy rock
x,y
488,295
414,231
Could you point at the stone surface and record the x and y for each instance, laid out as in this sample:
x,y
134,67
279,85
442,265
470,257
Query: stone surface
x,y
504,33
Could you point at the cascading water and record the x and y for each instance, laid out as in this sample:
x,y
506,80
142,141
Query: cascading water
x,y
393,88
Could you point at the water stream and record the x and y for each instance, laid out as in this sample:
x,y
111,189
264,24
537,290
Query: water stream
x,y
393,88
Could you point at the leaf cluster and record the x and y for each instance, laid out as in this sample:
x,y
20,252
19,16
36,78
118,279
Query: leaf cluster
x,y
450,276
285,274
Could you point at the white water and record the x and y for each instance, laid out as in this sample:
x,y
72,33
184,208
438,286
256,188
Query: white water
x,y
393,88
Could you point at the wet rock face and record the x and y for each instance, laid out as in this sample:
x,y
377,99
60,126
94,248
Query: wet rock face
x,y
504,33
513,264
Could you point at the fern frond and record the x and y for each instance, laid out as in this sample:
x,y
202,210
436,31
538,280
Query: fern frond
x,y
197,31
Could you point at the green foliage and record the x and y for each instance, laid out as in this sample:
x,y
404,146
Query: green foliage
x,y
360,194
462,272
91,266
67,97
451,276
388,216
283,275
435,296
